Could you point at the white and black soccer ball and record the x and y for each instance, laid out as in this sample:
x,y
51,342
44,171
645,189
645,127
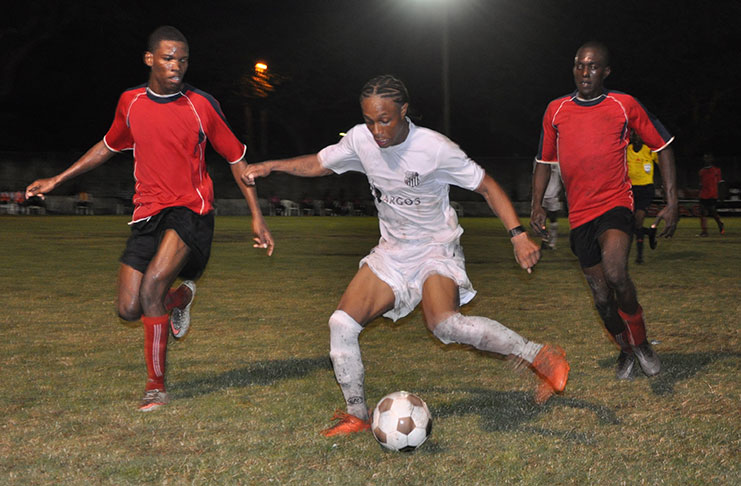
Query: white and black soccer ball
x,y
401,421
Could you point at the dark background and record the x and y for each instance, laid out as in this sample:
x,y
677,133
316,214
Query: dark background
x,y
64,65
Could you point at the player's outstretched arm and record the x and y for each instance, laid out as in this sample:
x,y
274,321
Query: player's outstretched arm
x,y
670,212
541,176
302,166
94,157
262,236
527,253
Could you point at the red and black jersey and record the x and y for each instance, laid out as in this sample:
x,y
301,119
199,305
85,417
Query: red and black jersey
x,y
709,179
168,135
588,140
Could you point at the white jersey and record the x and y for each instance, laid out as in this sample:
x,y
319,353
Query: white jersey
x,y
409,181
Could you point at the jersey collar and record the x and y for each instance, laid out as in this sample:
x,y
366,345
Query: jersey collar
x,y
591,102
158,98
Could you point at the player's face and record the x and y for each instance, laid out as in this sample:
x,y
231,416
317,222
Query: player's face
x,y
169,62
386,120
590,72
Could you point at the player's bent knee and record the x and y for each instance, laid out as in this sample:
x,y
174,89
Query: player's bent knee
x,y
343,332
129,313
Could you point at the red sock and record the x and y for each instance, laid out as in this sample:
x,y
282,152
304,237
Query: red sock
x,y
177,297
155,350
635,327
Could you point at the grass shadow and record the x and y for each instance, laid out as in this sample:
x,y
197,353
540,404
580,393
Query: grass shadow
x,y
259,373
676,367
512,410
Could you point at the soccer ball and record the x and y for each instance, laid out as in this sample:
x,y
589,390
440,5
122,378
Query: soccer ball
x,y
401,421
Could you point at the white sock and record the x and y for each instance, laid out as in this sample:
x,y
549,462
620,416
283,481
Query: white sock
x,y
486,335
344,350
553,234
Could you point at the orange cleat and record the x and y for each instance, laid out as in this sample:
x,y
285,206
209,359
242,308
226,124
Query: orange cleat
x,y
553,370
348,424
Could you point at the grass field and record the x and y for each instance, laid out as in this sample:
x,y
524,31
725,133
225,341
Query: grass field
x,y
252,384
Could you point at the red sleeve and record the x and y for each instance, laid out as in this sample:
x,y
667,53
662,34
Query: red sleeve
x,y
547,151
649,128
119,135
220,134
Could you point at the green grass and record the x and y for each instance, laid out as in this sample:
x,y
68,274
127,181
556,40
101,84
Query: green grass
x,y
252,385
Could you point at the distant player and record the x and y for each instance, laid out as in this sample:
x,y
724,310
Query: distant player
x,y
552,205
418,257
710,177
641,161
167,123
586,133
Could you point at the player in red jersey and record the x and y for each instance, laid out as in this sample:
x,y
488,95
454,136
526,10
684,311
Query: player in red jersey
x,y
167,123
710,177
586,134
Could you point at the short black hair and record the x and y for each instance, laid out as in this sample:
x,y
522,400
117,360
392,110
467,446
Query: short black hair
x,y
164,33
599,46
385,86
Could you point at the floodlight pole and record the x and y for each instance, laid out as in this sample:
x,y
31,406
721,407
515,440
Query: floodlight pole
x,y
446,70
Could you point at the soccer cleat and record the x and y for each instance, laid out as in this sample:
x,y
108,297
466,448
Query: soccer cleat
x,y
553,370
722,228
652,237
348,424
704,234
647,358
180,318
625,363
153,399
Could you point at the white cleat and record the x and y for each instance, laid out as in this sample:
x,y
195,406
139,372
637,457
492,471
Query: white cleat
x,y
180,318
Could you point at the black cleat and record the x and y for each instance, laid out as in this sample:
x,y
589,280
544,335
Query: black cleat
x,y
625,363
652,237
647,358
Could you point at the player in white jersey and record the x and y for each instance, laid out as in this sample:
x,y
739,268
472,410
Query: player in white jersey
x,y
418,258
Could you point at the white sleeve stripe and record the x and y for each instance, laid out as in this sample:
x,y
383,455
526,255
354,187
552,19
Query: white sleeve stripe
x,y
105,142
244,151
665,145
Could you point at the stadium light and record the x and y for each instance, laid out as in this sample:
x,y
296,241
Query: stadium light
x,y
442,6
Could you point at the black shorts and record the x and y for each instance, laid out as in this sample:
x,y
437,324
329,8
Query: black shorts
x,y
584,242
195,230
642,196
707,206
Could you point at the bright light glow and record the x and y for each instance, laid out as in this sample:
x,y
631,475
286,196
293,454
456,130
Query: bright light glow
x,y
261,67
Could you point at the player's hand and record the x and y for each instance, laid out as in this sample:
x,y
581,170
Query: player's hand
x,y
537,222
40,187
262,238
670,215
253,171
527,253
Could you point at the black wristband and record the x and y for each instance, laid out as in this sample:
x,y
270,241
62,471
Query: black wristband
x,y
516,231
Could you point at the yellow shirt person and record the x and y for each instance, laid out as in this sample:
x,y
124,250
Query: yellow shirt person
x,y
641,165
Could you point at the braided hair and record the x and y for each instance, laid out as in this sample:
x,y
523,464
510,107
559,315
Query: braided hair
x,y
385,86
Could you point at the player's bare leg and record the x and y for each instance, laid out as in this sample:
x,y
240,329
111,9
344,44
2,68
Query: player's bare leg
x,y
617,303
440,306
640,232
155,283
129,281
365,298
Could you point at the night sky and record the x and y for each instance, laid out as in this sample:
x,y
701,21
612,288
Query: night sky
x,y
65,65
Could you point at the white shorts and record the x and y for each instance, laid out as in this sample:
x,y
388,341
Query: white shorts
x,y
551,204
405,269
